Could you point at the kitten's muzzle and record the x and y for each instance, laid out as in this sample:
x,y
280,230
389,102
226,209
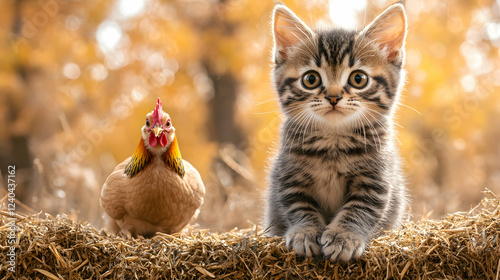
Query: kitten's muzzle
x,y
333,99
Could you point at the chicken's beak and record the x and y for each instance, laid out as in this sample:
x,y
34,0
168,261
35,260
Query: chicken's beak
x,y
158,130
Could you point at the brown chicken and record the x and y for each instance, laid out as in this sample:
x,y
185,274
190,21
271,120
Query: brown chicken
x,y
154,190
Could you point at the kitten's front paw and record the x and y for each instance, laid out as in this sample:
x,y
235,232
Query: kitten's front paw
x,y
304,241
341,245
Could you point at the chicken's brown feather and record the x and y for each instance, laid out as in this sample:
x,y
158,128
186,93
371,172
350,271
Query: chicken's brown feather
x,y
155,199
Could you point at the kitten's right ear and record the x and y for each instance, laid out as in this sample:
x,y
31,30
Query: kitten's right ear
x,y
389,31
288,30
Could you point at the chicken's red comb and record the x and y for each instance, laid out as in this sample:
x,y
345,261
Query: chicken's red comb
x,y
157,113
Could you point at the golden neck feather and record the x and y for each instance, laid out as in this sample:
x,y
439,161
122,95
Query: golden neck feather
x,y
140,158
173,158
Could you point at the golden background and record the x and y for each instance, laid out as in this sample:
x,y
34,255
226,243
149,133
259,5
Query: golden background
x,y
78,77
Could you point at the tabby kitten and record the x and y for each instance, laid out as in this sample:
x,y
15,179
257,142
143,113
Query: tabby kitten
x,y
336,180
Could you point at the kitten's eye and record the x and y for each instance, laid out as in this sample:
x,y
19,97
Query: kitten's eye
x,y
311,80
358,79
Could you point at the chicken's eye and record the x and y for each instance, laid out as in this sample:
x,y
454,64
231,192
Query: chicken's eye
x,y
147,122
169,124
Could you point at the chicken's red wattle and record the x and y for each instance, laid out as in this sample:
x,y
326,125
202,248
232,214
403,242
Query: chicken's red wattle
x,y
152,139
163,140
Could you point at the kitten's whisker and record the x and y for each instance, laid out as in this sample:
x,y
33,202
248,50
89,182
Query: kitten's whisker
x,y
361,124
368,53
304,128
272,122
364,130
293,108
383,125
309,122
359,40
372,103
366,45
301,125
285,111
291,122
302,51
265,113
273,99
364,50
404,105
384,116
310,40
315,128
312,54
308,119
372,128
380,114
292,125
363,56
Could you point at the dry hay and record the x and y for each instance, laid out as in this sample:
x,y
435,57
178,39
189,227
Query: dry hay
x,y
460,246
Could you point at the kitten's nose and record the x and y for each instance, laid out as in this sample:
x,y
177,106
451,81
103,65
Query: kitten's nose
x,y
333,98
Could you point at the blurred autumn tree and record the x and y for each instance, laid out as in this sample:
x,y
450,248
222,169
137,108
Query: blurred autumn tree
x,y
77,78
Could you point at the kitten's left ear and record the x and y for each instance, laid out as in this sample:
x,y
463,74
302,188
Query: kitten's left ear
x,y
389,31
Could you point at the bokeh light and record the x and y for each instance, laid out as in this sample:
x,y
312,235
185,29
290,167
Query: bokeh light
x,y
77,81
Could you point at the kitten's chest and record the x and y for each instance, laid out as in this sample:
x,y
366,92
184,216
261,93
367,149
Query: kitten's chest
x,y
328,171
329,189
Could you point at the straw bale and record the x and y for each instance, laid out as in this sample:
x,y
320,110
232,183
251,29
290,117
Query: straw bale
x,y
459,246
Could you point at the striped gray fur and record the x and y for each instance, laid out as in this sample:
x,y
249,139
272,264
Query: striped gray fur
x,y
336,181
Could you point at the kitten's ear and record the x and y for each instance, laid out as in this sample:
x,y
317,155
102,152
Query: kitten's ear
x,y
288,30
389,31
